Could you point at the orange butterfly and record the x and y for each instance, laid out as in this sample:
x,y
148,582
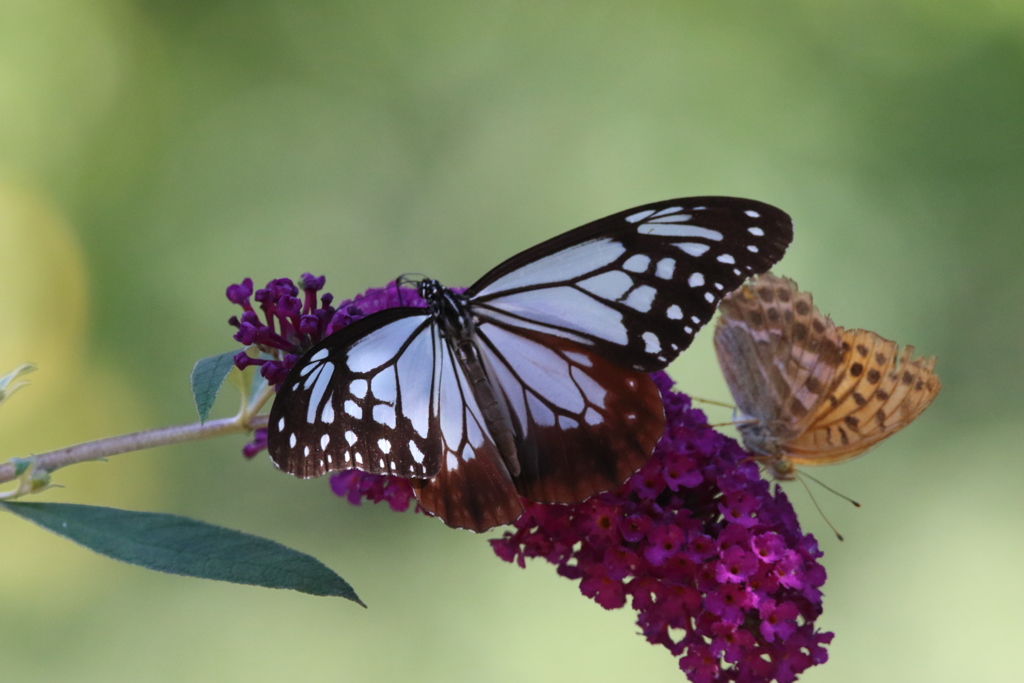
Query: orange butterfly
x,y
813,393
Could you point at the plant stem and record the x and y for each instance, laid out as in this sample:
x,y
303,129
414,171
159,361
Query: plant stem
x,y
137,441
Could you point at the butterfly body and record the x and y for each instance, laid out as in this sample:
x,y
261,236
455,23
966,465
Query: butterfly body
x,y
451,314
813,393
533,382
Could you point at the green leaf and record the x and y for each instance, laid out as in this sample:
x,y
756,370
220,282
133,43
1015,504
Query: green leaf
x,y
207,377
179,545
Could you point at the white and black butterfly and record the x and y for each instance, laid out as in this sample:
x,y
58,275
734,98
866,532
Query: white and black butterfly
x,y
533,382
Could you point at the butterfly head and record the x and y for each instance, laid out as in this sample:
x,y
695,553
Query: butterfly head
x,y
759,439
430,290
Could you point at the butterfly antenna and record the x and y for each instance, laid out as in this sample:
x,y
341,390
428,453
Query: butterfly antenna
x,y
733,423
825,486
820,511
713,403
401,280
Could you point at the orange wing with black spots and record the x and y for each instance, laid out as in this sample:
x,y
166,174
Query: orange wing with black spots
x,y
878,392
813,392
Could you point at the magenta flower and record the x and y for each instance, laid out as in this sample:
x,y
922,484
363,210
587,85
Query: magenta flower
x,y
710,558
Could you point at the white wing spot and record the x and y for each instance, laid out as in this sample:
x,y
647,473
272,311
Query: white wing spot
x,y
752,248
329,460
719,286
726,258
689,330
696,280
385,414
737,271
358,388
662,228
292,440
384,445
280,425
756,232
380,463
353,409
453,462
321,381
308,369
416,453
327,414
319,355
670,220
693,248
564,264
671,209
324,440
752,214
592,417
359,458
674,312
611,285
350,436
709,297
651,342
639,216
695,319
666,268
305,451
384,386
641,298
637,263
580,359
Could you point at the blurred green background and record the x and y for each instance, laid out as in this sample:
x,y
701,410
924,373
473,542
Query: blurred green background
x,y
151,153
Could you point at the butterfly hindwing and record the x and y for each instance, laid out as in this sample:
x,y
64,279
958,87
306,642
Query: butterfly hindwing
x,y
472,488
582,424
366,397
872,398
638,285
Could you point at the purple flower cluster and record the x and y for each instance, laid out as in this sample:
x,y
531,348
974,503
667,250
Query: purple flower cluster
x,y
701,547
714,564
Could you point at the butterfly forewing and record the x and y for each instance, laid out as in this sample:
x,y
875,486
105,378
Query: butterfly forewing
x,y
582,424
636,286
367,397
778,355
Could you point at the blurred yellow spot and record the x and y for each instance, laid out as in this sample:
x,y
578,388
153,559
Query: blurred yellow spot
x,y
42,312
